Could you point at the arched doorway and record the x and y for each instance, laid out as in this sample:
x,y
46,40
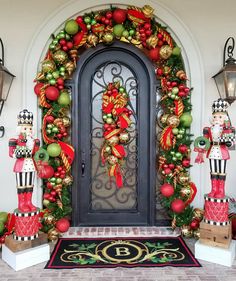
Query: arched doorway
x,y
190,51
96,200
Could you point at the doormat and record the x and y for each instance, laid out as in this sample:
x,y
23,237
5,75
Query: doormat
x,y
121,252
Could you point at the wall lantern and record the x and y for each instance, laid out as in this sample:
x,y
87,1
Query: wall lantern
x,y
225,79
6,79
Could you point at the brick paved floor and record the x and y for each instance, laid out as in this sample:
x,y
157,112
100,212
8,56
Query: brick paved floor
x,y
209,272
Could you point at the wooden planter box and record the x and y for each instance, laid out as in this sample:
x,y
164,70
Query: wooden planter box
x,y
214,235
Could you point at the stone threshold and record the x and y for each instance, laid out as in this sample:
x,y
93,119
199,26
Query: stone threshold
x,y
119,231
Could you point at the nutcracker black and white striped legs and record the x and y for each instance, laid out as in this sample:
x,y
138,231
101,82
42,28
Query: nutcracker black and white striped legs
x,y
25,181
217,166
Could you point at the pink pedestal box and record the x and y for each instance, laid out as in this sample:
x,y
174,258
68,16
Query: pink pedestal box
x,y
26,226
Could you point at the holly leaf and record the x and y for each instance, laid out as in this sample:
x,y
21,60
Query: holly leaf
x,y
91,246
150,245
164,260
74,245
92,261
83,261
155,259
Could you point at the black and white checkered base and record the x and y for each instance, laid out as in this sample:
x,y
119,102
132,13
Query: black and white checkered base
x,y
216,223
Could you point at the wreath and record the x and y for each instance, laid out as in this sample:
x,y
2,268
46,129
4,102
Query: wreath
x,y
139,27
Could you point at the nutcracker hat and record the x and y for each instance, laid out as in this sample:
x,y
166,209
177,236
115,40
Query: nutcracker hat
x,y
25,118
220,105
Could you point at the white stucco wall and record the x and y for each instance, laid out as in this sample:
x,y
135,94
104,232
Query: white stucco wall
x,y
208,22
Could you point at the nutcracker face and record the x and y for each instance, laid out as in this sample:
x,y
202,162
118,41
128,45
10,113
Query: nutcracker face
x,y
219,118
26,130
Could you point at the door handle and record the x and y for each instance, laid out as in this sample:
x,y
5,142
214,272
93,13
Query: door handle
x,y
82,163
82,169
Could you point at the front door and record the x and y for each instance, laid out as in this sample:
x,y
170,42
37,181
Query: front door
x,y
96,200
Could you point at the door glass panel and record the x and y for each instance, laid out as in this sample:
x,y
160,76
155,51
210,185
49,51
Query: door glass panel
x,y
104,194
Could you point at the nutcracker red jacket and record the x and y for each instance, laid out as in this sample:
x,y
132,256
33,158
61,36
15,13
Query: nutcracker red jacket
x,y
13,143
223,148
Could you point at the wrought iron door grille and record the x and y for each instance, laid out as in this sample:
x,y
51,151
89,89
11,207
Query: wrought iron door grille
x,y
104,194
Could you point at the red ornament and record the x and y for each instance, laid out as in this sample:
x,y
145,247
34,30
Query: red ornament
x,y
119,15
167,190
37,88
52,93
154,54
183,148
177,206
62,225
194,224
167,171
45,171
159,72
186,162
49,119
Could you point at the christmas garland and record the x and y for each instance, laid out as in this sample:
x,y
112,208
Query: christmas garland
x,y
135,26
116,117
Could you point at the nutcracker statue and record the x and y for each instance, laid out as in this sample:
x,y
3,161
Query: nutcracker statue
x,y
23,148
216,142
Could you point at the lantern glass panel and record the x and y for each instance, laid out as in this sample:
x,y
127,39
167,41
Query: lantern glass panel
x,y
6,79
230,79
220,84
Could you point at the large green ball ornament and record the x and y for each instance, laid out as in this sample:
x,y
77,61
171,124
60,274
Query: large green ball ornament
x,y
176,51
54,149
41,155
71,27
64,98
186,119
3,217
118,29
2,227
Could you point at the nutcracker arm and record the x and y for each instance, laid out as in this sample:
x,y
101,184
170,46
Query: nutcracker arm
x,y
229,138
206,132
12,146
36,146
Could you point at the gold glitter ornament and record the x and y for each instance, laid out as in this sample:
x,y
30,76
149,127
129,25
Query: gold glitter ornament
x,y
186,231
148,11
124,137
164,118
49,220
53,234
68,180
70,67
165,52
173,223
66,121
152,41
196,234
113,140
48,66
173,121
108,37
198,214
185,191
112,160
60,57
183,178
92,40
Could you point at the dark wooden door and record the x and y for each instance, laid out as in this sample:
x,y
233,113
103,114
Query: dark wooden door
x,y
95,197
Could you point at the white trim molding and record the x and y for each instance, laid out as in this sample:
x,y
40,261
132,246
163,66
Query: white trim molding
x,y
179,31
